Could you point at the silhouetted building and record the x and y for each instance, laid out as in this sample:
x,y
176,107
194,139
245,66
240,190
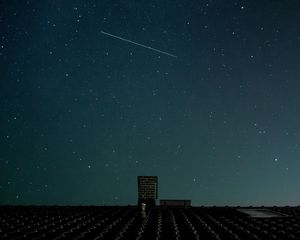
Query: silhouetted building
x,y
147,190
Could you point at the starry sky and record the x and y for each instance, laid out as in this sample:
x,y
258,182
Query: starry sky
x,y
82,114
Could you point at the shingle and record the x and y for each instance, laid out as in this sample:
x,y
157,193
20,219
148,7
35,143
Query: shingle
x,y
117,222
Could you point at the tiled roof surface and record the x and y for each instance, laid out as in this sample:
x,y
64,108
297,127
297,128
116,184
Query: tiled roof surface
x,y
103,222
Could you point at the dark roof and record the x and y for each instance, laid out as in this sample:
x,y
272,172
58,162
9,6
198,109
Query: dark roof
x,y
108,222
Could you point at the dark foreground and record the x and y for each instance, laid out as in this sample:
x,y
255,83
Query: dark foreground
x,y
70,222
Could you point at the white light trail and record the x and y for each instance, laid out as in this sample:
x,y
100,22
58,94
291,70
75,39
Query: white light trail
x,y
138,44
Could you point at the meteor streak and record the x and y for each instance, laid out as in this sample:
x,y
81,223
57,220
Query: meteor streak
x,y
138,44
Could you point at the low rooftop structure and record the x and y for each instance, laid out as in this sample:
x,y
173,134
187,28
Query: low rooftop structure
x,y
175,203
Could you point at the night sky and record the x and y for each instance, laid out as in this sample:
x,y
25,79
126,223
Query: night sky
x,y
82,114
